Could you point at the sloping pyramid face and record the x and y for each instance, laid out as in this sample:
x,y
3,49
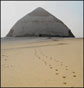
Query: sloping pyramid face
x,y
40,23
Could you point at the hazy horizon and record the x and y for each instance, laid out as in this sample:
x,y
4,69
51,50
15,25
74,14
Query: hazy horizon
x,y
69,12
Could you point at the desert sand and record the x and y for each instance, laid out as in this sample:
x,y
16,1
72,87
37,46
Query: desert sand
x,y
42,62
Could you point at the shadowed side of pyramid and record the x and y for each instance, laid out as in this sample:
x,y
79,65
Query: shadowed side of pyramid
x,y
40,23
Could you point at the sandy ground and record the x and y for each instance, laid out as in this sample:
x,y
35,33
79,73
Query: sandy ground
x,y
46,63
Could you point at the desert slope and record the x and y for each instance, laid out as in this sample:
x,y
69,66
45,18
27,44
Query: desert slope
x,y
42,63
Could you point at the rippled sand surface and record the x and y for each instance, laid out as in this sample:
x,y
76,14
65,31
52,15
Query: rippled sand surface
x,y
42,62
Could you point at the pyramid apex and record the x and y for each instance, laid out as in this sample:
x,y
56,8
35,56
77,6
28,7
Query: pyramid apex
x,y
39,11
39,8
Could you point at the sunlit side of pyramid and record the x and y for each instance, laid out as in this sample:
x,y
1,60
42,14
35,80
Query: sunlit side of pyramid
x,y
39,23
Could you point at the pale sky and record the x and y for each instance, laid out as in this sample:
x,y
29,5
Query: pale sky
x,y
70,12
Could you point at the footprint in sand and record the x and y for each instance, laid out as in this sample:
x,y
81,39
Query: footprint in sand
x,y
74,75
57,73
66,68
64,77
56,69
64,83
73,72
51,67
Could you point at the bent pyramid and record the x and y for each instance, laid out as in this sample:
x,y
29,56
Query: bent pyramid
x,y
40,23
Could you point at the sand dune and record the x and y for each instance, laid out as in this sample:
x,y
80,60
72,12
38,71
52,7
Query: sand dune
x,y
42,63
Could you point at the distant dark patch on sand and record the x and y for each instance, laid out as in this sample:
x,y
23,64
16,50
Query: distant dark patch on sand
x,y
56,60
46,56
50,58
55,40
5,59
61,43
61,64
49,64
4,55
39,57
66,69
66,66
11,65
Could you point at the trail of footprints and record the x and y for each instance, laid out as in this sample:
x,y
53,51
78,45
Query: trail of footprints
x,y
6,65
52,67
45,61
